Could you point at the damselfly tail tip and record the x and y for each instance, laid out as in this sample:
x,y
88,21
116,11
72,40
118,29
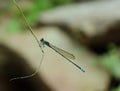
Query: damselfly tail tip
x,y
82,70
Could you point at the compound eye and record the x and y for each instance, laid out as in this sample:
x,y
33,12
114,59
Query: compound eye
x,y
42,40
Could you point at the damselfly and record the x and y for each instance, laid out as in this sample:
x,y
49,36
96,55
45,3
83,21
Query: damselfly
x,y
63,53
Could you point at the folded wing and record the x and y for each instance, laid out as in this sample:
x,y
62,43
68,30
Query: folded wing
x,y
63,53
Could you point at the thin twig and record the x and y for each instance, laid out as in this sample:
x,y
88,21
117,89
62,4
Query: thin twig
x,y
28,25
34,35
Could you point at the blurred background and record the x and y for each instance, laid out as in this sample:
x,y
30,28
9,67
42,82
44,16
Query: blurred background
x,y
89,29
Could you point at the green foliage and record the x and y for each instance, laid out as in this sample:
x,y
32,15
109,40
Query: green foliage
x,y
111,61
13,26
37,7
32,13
61,2
116,89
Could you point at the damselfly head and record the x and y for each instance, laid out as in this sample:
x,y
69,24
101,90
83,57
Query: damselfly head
x,y
42,40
